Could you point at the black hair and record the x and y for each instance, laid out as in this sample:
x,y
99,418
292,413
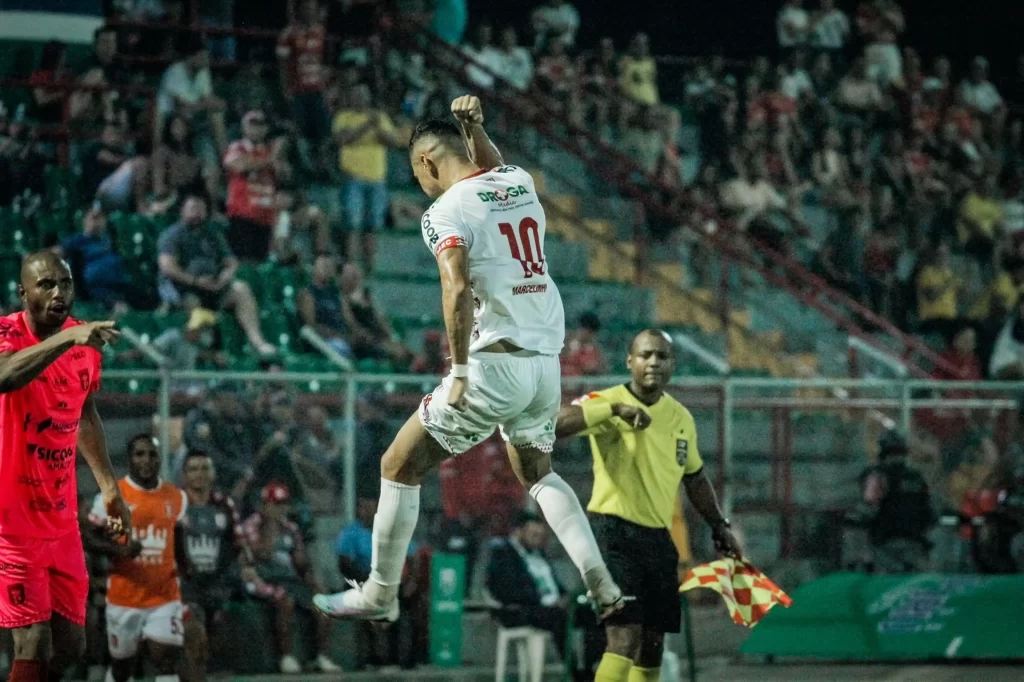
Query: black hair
x,y
446,131
194,454
52,53
136,438
185,145
524,517
590,321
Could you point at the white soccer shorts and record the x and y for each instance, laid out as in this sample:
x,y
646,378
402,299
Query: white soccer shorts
x,y
519,393
126,627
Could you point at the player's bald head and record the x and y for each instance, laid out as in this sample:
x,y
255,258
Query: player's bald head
x,y
656,337
39,263
436,138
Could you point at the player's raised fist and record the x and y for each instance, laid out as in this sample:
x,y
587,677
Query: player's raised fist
x,y
467,109
93,334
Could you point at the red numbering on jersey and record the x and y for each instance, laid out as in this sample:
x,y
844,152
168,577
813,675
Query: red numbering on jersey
x,y
522,245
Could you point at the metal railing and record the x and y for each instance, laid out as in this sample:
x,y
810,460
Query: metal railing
x,y
720,399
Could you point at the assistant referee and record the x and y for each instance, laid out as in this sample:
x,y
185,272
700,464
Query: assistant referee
x,y
644,442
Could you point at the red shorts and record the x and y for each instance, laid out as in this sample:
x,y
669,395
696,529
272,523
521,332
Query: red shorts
x,y
40,577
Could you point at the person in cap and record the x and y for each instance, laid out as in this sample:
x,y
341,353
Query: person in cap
x,y
286,573
887,532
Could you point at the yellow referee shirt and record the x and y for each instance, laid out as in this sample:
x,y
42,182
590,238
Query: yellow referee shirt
x,y
637,473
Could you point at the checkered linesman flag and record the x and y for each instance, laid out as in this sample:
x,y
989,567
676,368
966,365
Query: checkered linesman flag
x,y
747,592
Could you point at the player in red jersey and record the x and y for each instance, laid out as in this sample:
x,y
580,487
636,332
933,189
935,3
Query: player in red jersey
x,y
49,369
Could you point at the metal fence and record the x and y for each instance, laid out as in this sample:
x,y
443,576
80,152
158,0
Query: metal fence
x,y
785,451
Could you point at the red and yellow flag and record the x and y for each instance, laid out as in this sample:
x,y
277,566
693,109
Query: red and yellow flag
x,y
748,593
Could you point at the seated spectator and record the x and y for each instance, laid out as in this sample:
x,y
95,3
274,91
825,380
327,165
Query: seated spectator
x,y
881,256
316,454
858,95
555,21
224,426
22,160
364,133
514,63
978,91
830,167
434,358
176,170
97,267
95,105
354,549
522,580
48,104
186,88
215,562
961,356
937,289
369,331
792,25
751,198
191,347
484,58
198,268
320,305
582,355
830,29
841,258
641,140
1007,361
287,575
107,178
303,230
254,167
880,22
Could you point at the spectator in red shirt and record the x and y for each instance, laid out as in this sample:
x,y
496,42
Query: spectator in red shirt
x,y
254,169
582,356
434,358
49,104
300,52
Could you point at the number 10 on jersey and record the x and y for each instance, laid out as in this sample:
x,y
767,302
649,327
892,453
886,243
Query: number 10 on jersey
x,y
522,244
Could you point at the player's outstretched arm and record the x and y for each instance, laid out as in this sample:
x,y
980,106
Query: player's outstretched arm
x,y
18,369
482,151
575,419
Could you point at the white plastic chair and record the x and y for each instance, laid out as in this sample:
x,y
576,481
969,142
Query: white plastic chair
x,y
530,646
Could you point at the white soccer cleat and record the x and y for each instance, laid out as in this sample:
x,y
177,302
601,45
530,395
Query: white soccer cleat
x,y
354,604
326,665
290,665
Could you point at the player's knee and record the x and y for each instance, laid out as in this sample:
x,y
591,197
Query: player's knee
x,y
652,646
32,642
624,640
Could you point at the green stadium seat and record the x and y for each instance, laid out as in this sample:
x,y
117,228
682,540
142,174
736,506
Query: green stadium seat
x,y
142,323
278,327
16,234
231,337
251,275
55,225
61,188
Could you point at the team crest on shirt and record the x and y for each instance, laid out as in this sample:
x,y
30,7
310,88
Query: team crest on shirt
x,y
682,450
16,594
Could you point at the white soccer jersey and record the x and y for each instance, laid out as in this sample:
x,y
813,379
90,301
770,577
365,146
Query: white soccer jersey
x,y
497,215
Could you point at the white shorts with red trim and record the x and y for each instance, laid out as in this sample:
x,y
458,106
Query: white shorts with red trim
x,y
519,393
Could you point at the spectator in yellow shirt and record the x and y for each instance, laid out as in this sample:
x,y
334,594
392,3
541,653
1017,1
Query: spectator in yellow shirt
x,y
638,78
364,134
937,288
980,219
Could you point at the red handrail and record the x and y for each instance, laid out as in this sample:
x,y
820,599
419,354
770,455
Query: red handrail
x,y
623,179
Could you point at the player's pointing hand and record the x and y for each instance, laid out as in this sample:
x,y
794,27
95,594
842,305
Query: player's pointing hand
x,y
93,334
467,110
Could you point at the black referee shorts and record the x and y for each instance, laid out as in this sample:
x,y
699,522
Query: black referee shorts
x,y
644,562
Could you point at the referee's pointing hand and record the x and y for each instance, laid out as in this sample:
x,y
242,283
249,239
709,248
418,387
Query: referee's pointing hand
x,y
636,417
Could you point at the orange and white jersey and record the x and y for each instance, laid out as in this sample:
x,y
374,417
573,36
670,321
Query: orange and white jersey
x,y
150,579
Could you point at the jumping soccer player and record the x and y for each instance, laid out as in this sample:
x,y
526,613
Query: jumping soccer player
x,y
505,326
644,442
49,370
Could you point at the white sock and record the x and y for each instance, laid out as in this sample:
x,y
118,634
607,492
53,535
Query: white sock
x,y
393,526
565,515
166,678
